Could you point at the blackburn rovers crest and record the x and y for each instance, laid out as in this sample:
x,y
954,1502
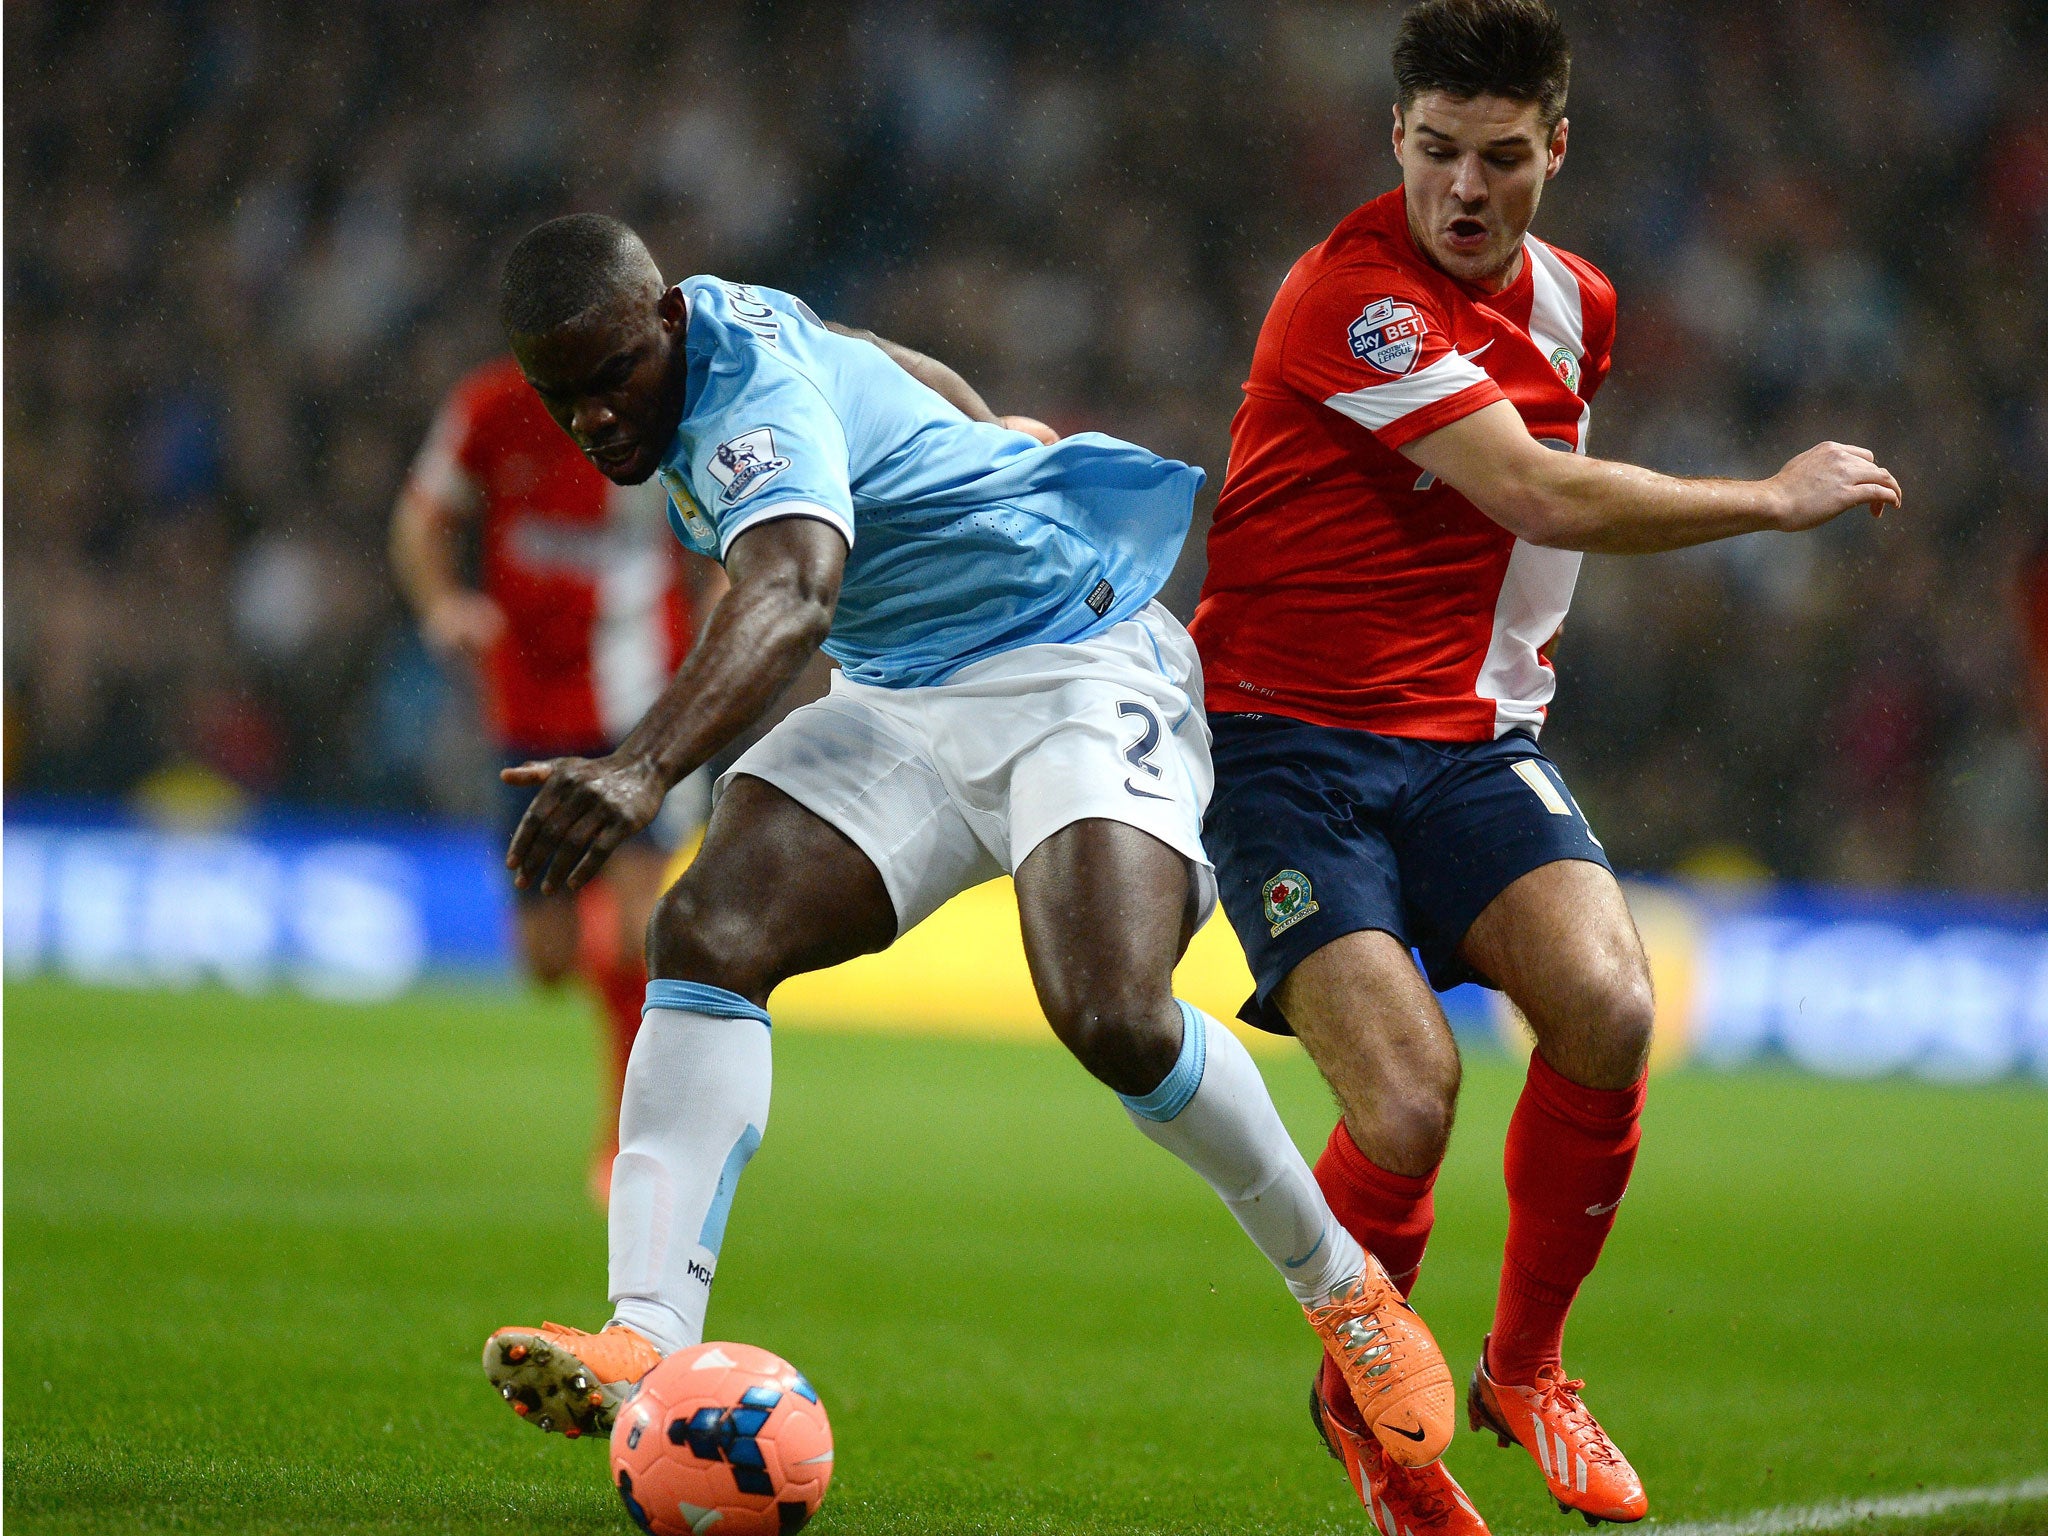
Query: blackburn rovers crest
x,y
1567,367
1289,898
1389,336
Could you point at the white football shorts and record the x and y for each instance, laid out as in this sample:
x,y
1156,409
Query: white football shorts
x,y
949,785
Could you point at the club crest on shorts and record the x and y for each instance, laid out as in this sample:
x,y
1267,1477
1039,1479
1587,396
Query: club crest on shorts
x,y
1567,367
745,463
1389,336
1289,897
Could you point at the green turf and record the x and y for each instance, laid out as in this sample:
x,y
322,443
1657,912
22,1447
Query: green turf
x,y
253,1247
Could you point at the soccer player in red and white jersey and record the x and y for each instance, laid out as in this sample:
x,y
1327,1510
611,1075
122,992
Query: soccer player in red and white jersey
x,y
1392,555
583,611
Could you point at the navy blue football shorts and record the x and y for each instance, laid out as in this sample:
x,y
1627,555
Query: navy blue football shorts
x,y
1318,832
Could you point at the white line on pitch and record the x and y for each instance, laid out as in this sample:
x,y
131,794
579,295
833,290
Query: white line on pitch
x,y
1789,1521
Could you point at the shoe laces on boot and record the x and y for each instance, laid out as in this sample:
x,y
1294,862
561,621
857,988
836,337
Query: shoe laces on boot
x,y
1560,1398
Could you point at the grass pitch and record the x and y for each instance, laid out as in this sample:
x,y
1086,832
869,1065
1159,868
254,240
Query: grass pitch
x,y
254,1245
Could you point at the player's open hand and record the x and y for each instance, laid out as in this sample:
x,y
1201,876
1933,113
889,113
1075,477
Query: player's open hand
x,y
586,807
1827,480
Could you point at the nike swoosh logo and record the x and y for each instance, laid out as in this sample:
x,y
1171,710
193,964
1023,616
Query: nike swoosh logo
x,y
1297,1263
1417,1435
1468,356
1144,794
1601,1210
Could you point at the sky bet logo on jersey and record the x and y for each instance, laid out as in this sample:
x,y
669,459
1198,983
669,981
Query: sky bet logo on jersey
x,y
1389,336
746,463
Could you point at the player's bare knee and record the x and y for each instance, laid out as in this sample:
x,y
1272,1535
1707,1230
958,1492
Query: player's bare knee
x,y
1626,1014
1129,1043
694,938
1415,1110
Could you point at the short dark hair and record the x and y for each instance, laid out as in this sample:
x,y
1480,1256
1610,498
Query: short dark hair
x,y
1468,48
566,267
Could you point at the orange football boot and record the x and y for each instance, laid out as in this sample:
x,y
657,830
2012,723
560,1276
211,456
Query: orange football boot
x,y
566,1379
1403,1501
1396,1374
1585,1472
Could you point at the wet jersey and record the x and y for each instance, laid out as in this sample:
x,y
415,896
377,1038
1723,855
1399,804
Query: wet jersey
x,y
1346,587
585,572
964,539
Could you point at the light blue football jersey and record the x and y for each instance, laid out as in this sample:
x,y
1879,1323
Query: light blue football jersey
x,y
964,539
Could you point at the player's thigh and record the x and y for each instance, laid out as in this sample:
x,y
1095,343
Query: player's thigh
x,y
1478,817
549,936
1103,906
1376,1032
1561,943
1108,730
775,891
1302,858
831,835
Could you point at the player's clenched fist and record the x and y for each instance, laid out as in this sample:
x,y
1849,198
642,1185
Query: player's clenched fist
x,y
586,807
1827,480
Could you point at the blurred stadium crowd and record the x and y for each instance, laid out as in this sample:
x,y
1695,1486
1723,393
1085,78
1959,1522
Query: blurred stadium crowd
x,y
249,246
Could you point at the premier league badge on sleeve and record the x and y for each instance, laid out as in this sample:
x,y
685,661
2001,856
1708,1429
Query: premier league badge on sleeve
x,y
745,463
1389,336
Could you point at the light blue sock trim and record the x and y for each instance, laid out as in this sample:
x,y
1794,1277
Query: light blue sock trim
x,y
712,1235
695,997
1172,1095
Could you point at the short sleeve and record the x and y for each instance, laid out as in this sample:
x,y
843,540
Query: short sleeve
x,y
1370,344
771,446
442,470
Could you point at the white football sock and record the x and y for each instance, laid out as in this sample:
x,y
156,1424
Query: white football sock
x,y
1214,1114
694,1108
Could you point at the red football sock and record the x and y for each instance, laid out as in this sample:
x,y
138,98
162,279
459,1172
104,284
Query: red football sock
x,y
622,987
1568,1158
1389,1213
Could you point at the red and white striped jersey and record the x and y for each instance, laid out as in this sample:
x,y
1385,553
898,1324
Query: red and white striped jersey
x,y
587,573
1345,586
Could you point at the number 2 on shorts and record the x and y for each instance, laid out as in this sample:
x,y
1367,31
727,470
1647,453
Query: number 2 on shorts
x,y
1139,753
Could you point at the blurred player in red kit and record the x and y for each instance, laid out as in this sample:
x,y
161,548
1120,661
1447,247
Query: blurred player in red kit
x,y
1393,551
584,608
2033,598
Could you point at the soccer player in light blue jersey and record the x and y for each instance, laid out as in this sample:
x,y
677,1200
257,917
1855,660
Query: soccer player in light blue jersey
x,y
1010,699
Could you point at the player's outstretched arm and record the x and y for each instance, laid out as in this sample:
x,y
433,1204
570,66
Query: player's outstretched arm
x,y
785,577
1569,501
946,384
456,620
